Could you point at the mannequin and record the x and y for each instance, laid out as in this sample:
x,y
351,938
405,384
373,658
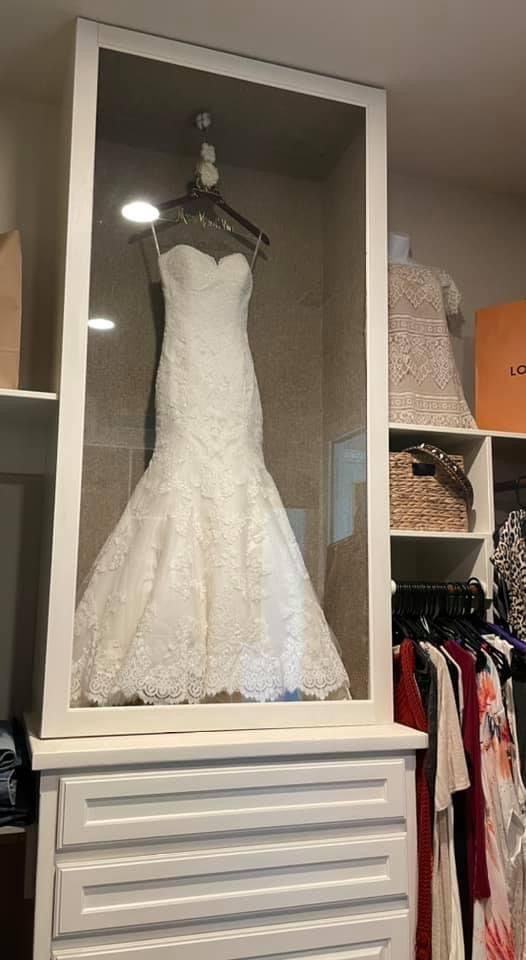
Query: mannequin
x,y
399,249
424,383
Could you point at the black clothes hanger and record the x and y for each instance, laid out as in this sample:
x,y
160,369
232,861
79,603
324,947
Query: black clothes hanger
x,y
437,612
415,609
513,486
449,599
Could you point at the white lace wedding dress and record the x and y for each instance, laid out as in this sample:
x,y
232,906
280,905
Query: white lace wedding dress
x,y
201,589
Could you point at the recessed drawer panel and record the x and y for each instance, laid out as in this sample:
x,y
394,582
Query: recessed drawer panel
x,y
161,889
376,938
153,889
177,803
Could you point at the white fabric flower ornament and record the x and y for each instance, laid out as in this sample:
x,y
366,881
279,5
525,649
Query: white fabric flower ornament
x,y
207,172
208,152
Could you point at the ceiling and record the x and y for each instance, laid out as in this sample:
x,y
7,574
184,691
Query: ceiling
x,y
455,70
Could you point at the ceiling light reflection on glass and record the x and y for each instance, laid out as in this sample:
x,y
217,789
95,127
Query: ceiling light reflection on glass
x,y
140,211
100,323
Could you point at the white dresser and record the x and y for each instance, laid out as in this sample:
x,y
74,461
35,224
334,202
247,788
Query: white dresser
x,y
286,844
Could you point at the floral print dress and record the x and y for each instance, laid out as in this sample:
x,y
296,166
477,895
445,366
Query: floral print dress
x,y
494,937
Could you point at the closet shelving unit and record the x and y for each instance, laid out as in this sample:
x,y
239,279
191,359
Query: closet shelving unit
x,y
489,457
26,423
27,419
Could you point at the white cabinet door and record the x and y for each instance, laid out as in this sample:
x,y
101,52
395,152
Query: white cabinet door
x,y
230,800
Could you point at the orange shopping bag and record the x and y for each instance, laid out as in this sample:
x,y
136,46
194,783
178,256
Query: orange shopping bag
x,y
500,367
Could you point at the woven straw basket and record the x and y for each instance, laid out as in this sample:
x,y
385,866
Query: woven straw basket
x,y
424,495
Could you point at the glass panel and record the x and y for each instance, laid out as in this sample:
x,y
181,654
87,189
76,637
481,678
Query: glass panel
x,y
206,573
349,460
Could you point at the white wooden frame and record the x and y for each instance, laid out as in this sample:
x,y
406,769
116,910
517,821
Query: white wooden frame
x,y
58,718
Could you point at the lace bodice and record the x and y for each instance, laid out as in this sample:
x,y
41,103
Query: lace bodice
x,y
419,285
208,403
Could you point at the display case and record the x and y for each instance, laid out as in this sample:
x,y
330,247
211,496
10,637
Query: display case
x,y
220,549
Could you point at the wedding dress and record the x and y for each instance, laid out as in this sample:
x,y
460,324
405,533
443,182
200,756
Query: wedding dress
x,y
201,589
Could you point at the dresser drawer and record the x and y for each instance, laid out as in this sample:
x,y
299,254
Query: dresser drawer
x,y
164,888
375,938
197,801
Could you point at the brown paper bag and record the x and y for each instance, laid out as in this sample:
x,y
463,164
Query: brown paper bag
x,y
500,361
10,308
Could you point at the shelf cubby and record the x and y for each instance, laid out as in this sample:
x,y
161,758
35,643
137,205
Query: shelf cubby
x,y
440,558
490,456
27,419
475,448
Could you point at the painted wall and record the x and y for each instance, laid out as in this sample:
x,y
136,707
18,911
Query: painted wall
x,y
28,192
28,199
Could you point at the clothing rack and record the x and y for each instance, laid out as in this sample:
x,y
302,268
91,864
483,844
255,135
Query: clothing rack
x,y
510,486
518,484
444,598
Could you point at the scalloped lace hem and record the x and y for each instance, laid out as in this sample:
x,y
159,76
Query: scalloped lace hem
x,y
142,699
126,685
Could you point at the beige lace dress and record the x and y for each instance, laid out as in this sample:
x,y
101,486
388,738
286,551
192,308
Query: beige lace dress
x,y
424,384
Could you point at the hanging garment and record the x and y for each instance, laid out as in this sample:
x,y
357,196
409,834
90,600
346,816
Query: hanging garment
x,y
517,881
518,679
201,589
16,778
8,764
509,702
509,561
452,776
410,710
493,935
469,814
424,384
518,682
426,681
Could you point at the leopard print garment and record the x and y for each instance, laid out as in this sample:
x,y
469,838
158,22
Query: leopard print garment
x,y
509,561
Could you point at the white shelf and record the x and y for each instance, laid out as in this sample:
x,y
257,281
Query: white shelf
x,y
405,428
26,395
504,435
438,535
25,406
210,746
439,431
10,831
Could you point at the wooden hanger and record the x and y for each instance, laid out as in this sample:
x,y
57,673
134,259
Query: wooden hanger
x,y
201,204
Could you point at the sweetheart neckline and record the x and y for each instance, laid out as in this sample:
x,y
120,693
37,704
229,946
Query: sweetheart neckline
x,y
209,256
